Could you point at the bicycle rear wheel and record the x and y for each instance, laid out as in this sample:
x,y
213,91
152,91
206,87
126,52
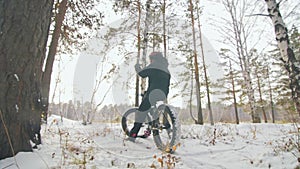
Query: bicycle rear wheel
x,y
128,120
166,131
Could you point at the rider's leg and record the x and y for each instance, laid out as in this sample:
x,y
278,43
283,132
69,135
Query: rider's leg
x,y
135,130
155,96
140,117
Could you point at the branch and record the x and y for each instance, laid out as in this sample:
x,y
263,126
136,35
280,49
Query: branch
x,y
8,138
269,15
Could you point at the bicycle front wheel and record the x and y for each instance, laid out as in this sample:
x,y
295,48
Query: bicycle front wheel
x,y
128,120
166,131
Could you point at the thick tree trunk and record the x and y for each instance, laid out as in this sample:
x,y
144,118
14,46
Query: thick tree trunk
x,y
291,62
24,27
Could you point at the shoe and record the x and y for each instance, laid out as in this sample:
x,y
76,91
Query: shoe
x,y
132,137
135,130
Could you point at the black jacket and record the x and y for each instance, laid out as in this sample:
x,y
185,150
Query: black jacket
x,y
158,76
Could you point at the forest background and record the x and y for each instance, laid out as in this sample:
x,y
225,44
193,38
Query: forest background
x,y
260,68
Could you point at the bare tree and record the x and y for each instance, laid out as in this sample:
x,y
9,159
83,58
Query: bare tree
x,y
137,82
99,81
271,95
204,65
199,107
239,39
164,27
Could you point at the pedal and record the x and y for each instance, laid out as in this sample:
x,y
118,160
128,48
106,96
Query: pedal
x,y
147,132
167,126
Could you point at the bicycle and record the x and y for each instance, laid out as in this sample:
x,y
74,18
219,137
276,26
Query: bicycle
x,y
161,120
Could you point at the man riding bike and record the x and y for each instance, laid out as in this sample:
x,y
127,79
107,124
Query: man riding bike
x,y
158,87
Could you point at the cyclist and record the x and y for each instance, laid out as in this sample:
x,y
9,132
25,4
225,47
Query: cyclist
x,y
158,87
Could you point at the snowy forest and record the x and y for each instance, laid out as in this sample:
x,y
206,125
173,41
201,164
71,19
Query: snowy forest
x,y
67,77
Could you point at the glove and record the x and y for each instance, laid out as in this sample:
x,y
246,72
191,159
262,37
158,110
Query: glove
x,y
137,67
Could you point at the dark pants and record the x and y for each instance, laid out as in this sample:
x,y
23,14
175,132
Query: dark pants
x,y
150,99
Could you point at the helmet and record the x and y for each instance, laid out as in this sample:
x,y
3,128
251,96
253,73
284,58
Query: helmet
x,y
156,56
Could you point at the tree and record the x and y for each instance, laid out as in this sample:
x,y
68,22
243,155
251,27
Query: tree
x,y
199,107
137,79
259,74
70,19
46,76
271,95
290,60
204,65
230,77
142,41
239,33
23,42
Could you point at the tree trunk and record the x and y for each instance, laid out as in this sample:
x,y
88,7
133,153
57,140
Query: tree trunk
x,y
164,28
137,79
199,107
24,27
271,96
46,78
260,96
291,62
241,47
233,93
145,42
205,71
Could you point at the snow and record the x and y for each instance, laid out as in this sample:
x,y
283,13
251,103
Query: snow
x,y
69,144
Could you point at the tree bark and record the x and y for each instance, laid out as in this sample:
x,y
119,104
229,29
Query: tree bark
x,y
199,106
260,96
241,48
137,78
291,62
46,77
205,71
271,96
164,28
237,120
145,42
24,27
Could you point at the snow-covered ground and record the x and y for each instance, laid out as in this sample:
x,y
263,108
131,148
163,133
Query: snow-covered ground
x,y
69,144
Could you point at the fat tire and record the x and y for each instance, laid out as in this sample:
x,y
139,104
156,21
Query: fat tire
x,y
124,120
175,126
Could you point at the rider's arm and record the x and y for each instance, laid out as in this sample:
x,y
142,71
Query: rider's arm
x,y
137,68
145,72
